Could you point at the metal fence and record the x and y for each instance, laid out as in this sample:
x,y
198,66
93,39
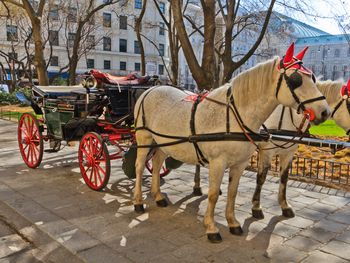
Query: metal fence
x,y
331,172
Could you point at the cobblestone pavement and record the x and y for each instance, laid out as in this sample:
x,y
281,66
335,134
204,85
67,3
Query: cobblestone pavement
x,y
77,224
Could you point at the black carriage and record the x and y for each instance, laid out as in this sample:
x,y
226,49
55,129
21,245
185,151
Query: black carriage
x,y
98,114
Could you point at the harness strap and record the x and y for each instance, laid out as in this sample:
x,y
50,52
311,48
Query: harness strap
x,y
301,105
201,159
281,118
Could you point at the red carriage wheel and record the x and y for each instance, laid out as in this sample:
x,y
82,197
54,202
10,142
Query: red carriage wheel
x,y
30,140
94,161
163,171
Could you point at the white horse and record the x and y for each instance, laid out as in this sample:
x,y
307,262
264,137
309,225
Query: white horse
x,y
255,93
288,120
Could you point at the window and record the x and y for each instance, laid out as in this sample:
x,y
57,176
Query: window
x,y
123,22
53,38
53,13
138,4
72,14
137,48
137,66
90,42
161,69
161,49
107,44
337,53
90,63
12,34
123,45
122,65
71,38
54,61
107,64
162,7
161,28
107,20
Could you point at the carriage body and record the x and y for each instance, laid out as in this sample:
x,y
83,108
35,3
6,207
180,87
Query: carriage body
x,y
101,116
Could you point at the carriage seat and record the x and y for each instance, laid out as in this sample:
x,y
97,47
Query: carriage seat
x,y
130,79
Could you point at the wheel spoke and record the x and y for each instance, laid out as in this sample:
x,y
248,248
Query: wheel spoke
x,y
95,177
99,175
90,177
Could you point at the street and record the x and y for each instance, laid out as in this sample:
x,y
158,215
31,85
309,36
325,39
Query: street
x,y
50,215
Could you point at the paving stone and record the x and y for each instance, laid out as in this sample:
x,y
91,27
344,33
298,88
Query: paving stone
x,y
337,248
319,256
101,253
330,225
323,208
345,237
304,200
336,201
298,222
285,254
341,216
284,230
303,243
318,234
311,214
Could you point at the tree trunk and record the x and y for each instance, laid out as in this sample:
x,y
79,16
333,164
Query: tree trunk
x,y
39,60
138,29
74,59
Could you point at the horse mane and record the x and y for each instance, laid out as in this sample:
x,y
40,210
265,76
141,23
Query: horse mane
x,y
257,77
330,89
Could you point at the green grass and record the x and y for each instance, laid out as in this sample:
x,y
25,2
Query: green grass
x,y
328,128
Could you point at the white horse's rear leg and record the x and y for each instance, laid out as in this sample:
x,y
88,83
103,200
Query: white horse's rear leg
x,y
235,174
197,191
157,163
285,163
142,138
216,173
265,158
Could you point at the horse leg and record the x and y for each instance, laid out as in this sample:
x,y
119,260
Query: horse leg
x,y
234,176
285,163
216,173
197,191
263,167
142,138
157,162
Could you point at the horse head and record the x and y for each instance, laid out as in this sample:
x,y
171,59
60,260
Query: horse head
x,y
297,88
341,111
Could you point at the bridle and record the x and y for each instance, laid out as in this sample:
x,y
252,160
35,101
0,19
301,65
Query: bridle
x,y
345,98
293,82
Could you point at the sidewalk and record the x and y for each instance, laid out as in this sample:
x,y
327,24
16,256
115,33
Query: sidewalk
x,y
102,227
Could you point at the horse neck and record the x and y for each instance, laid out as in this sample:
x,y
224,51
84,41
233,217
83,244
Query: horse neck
x,y
254,93
331,90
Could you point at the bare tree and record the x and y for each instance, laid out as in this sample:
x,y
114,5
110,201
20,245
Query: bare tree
x,y
83,30
204,72
138,30
35,15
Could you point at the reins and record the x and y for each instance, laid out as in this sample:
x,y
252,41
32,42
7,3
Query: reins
x,y
246,135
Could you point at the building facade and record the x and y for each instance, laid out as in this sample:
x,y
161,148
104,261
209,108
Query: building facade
x,y
114,46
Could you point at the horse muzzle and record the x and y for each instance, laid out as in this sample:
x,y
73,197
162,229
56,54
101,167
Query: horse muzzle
x,y
317,119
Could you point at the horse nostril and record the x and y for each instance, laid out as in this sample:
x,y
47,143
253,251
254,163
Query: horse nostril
x,y
325,114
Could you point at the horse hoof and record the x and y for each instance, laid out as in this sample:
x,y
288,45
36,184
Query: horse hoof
x,y
214,237
139,209
162,203
288,212
257,214
220,192
197,191
237,231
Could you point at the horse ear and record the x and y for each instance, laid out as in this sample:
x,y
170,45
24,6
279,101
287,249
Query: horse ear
x,y
301,54
348,85
289,54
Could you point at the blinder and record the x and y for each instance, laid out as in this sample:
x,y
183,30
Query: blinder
x,y
295,81
346,98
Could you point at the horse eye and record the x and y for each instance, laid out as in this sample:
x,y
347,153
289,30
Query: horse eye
x,y
313,78
295,80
